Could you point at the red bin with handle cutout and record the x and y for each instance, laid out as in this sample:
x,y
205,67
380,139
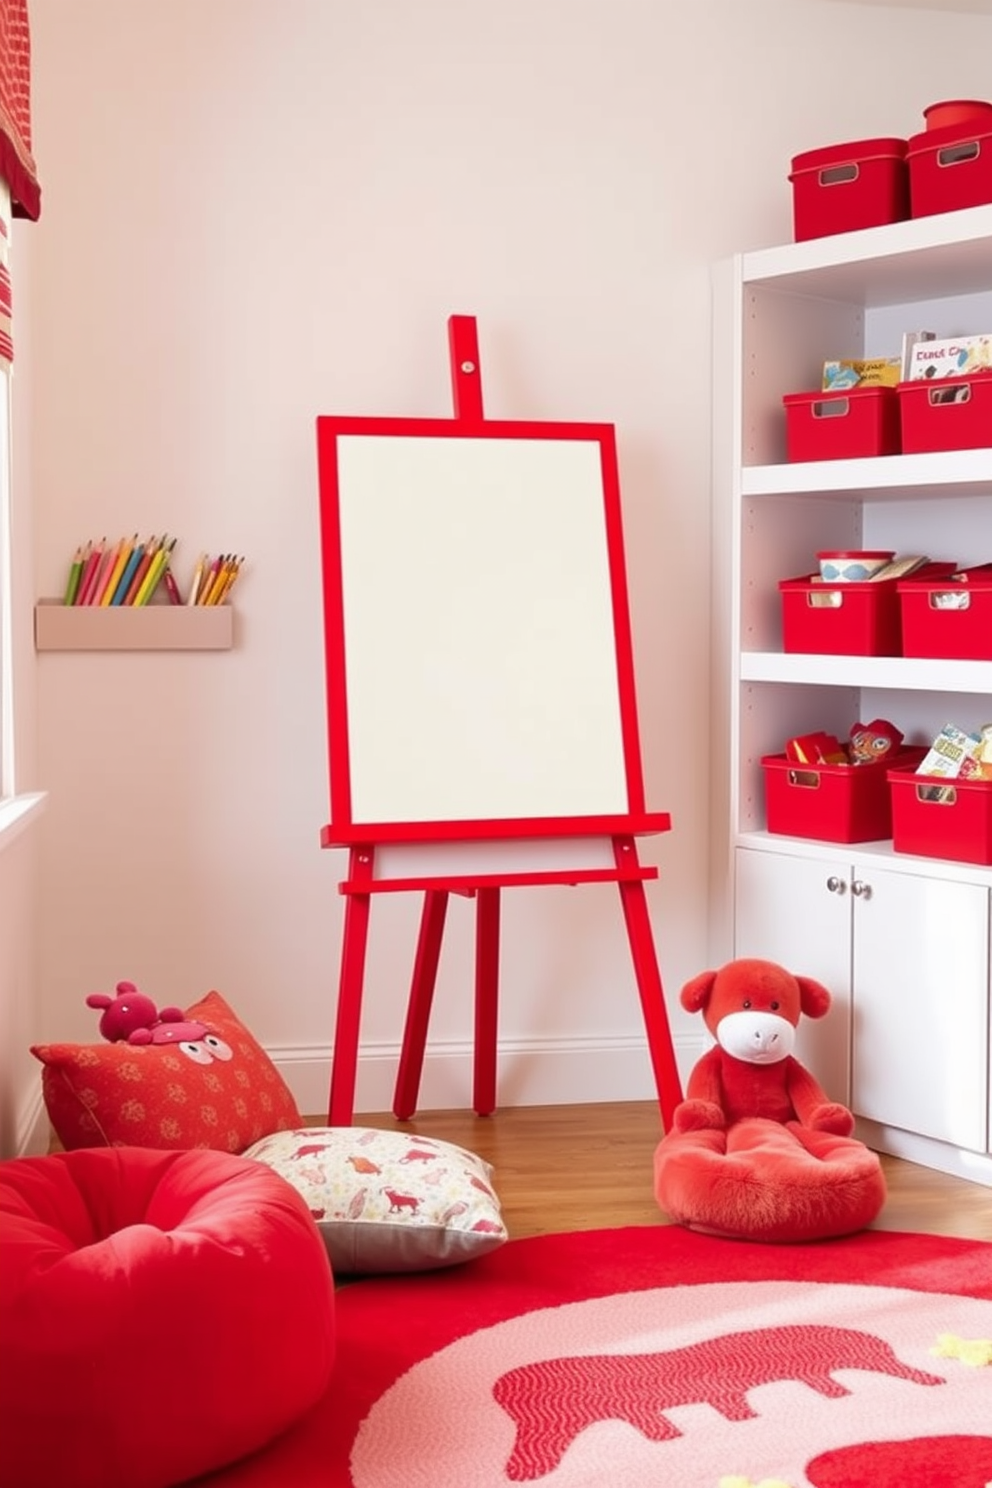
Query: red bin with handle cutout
x,y
843,425
841,188
950,169
946,413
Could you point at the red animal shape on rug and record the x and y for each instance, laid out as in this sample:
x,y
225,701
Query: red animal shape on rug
x,y
757,1149
553,1400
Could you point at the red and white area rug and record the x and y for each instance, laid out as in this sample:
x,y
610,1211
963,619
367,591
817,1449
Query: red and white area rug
x,y
655,1358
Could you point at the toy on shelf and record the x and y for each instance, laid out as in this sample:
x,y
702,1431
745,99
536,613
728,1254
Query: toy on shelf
x,y
868,743
757,1150
131,1017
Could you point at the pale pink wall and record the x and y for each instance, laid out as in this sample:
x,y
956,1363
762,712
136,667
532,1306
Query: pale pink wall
x,y
255,213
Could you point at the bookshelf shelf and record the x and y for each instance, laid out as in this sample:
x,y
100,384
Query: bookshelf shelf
x,y
153,627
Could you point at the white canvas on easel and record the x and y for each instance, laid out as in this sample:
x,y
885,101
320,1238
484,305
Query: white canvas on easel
x,y
478,630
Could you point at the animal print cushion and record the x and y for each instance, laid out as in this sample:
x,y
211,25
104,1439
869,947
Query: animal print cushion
x,y
387,1201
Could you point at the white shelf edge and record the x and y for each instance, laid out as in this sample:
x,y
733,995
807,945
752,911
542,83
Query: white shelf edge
x,y
964,473
905,673
945,230
881,853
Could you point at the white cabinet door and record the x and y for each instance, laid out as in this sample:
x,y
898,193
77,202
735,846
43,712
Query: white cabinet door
x,y
921,1006
797,911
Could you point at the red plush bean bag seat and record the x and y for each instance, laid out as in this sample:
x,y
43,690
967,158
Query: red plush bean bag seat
x,y
161,1314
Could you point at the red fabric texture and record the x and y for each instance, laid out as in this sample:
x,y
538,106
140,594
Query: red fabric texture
x,y
221,1091
161,1314
785,1091
17,165
761,1180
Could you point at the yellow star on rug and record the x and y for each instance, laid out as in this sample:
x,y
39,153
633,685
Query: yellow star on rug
x,y
735,1481
973,1351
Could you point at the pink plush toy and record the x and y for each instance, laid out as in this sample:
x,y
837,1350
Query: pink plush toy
x,y
132,1017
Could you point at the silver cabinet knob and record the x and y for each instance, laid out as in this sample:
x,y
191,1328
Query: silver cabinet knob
x,y
861,890
836,885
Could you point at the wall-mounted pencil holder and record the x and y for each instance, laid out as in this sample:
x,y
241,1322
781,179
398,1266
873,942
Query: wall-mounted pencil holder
x,y
152,627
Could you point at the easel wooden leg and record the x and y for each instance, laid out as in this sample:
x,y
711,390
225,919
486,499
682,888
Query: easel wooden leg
x,y
419,1007
486,999
344,1061
642,949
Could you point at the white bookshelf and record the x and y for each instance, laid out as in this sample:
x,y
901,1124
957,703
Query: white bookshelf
x,y
885,931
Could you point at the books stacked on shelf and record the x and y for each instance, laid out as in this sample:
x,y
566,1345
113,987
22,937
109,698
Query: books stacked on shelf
x,y
135,572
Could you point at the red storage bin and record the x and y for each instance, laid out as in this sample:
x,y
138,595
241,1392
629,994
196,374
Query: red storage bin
x,y
843,187
945,619
861,619
934,817
950,168
841,619
831,803
842,426
946,413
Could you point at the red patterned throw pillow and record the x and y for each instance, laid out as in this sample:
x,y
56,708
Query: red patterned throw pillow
x,y
221,1091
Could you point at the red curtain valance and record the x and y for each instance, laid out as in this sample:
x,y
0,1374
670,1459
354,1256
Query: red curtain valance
x,y
16,161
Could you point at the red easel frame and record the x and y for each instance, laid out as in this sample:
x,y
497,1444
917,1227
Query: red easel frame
x,y
363,838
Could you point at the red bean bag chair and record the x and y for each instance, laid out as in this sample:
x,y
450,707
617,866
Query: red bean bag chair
x,y
161,1315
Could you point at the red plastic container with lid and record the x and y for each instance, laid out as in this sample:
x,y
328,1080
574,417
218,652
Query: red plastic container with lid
x,y
842,426
841,188
950,168
962,113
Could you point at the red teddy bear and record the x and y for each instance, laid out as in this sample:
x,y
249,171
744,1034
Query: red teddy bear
x,y
752,1009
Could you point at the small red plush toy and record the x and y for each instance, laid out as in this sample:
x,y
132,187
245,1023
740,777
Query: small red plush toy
x,y
757,1151
752,1008
132,1017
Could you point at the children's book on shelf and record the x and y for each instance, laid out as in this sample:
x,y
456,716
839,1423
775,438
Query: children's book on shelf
x,y
954,356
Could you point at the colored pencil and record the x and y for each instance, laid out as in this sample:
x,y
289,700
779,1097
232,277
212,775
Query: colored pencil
x,y
120,563
138,577
155,573
124,582
89,569
75,574
168,578
90,572
209,581
103,578
194,583
219,580
233,569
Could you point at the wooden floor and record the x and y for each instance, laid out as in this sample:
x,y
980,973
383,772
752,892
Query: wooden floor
x,y
590,1167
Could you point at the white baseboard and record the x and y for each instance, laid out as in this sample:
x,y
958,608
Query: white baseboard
x,y
975,1166
33,1131
529,1073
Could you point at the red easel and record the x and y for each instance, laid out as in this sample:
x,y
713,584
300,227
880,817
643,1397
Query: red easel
x,y
615,862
